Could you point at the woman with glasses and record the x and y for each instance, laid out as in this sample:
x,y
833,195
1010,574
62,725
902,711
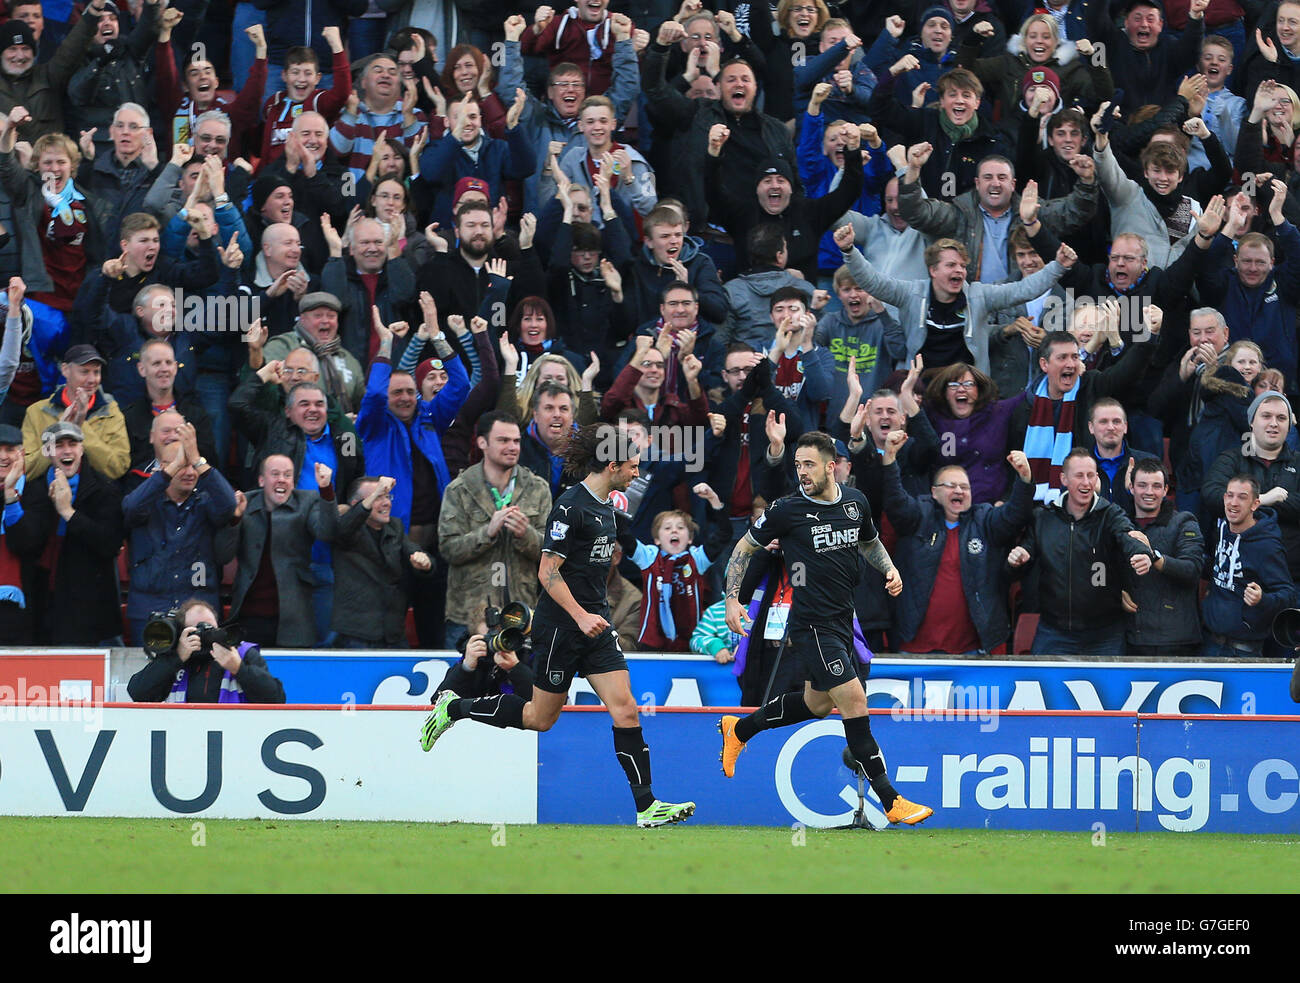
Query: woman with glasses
x,y
973,426
800,24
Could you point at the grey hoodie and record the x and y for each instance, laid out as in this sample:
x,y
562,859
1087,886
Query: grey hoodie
x,y
912,298
750,317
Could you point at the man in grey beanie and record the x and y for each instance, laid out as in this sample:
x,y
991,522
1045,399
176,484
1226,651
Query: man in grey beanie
x,y
1265,456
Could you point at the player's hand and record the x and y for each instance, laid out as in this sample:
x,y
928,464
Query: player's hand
x,y
894,583
591,625
737,618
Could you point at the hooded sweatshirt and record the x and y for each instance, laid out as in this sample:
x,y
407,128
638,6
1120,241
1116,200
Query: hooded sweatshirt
x,y
1238,559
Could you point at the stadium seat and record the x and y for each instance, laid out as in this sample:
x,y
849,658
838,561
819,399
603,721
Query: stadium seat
x,y
1026,628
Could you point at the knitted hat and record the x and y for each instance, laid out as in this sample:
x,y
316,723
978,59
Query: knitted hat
x,y
264,187
15,32
1041,76
1259,400
470,184
775,165
423,369
937,11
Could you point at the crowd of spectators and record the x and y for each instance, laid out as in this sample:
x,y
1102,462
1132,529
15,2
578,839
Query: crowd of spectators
x,y
305,298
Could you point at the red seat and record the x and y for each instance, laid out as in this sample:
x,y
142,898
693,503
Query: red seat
x,y
1026,628
412,637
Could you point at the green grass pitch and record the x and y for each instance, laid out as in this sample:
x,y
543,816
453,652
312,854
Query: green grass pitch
x,y
88,856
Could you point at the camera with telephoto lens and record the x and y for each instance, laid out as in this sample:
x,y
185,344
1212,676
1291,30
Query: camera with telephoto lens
x,y
163,631
508,627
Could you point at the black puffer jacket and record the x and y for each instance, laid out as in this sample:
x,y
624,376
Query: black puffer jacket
x,y
1166,598
987,533
111,75
1080,564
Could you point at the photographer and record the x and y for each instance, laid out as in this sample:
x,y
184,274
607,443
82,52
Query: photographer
x,y
483,672
192,672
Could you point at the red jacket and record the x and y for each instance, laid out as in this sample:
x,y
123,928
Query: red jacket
x,y
279,115
670,411
565,39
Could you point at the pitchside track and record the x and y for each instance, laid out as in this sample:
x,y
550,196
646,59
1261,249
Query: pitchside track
x,y
84,855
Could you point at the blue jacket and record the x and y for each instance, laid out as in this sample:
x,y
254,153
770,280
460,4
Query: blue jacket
x,y
851,107
1256,555
886,50
229,221
1265,314
173,550
817,171
387,440
444,162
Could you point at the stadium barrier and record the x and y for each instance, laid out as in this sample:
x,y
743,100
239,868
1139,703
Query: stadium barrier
x,y
1055,770
674,680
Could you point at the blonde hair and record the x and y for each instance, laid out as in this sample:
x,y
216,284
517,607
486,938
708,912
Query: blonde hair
x,y
56,141
526,389
1238,346
1047,19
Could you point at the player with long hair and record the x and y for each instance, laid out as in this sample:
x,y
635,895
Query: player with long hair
x,y
571,630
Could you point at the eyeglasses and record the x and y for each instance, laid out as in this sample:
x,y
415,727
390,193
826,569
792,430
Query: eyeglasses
x,y
952,486
648,364
296,373
804,8
742,370
965,384
570,84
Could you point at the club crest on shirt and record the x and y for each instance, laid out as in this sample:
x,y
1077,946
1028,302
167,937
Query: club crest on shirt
x,y
559,530
557,678
975,547
851,510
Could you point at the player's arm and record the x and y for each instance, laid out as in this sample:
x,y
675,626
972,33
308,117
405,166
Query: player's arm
x,y
875,553
548,573
741,557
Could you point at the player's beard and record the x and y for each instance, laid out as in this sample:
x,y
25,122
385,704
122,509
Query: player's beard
x,y
819,485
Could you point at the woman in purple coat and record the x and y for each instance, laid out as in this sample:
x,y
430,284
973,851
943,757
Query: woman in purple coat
x,y
972,424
